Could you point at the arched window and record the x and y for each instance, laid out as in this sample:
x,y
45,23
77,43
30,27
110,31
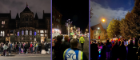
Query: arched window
x,y
18,33
30,32
26,32
35,33
22,32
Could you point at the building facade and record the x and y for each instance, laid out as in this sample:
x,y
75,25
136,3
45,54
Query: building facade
x,y
97,31
56,18
28,27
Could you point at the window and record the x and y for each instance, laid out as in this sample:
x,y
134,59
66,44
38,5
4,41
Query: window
x,y
45,34
37,31
2,33
26,19
34,33
41,31
26,32
18,33
45,31
41,34
30,32
3,22
22,32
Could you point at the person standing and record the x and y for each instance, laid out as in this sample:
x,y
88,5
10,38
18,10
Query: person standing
x,y
36,47
31,47
10,47
75,53
82,40
19,46
5,47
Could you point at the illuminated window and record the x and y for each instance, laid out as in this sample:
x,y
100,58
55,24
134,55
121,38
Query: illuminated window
x,y
17,33
45,34
26,32
3,22
22,32
41,31
30,32
45,31
41,34
37,31
34,33
2,33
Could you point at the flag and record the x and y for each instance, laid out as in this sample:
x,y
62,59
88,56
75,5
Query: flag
x,y
99,37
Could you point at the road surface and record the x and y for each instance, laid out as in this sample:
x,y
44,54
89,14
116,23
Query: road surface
x,y
27,57
86,47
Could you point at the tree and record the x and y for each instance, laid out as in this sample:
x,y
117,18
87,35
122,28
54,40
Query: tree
x,y
130,26
91,13
113,28
124,29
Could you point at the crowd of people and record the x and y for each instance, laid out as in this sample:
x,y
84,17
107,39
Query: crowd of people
x,y
23,48
68,49
116,50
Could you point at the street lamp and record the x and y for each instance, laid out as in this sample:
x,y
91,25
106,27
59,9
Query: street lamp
x,y
106,24
68,23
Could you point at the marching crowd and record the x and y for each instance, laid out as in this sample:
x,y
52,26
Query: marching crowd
x,y
116,50
23,47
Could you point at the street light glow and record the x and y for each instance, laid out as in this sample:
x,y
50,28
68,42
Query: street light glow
x,y
103,20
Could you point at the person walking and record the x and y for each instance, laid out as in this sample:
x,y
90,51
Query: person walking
x,y
82,40
73,53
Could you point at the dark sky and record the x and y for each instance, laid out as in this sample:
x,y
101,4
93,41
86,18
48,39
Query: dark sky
x,y
17,6
76,10
109,9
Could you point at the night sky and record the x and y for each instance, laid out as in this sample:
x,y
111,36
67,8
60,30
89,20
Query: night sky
x,y
109,9
17,6
76,10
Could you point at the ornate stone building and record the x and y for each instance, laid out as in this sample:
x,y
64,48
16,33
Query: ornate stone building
x,y
28,27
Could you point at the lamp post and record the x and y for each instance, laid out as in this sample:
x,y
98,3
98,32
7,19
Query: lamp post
x,y
103,20
68,23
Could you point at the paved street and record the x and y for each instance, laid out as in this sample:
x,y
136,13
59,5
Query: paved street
x,y
27,57
86,46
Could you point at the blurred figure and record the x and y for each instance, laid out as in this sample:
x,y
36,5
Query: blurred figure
x,y
74,51
122,51
94,51
10,47
57,48
108,49
31,47
65,44
103,52
5,47
82,40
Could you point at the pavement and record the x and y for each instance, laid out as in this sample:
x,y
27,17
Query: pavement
x,y
27,57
